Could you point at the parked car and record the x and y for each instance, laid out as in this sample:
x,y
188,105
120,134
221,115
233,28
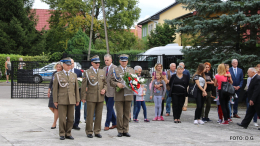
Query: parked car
x,y
45,73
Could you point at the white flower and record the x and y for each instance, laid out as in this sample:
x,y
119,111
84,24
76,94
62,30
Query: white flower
x,y
142,80
134,83
79,79
134,75
138,79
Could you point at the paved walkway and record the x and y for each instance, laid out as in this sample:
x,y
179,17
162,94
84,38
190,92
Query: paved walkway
x,y
28,122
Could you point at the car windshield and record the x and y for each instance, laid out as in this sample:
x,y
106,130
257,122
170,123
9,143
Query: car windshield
x,y
49,67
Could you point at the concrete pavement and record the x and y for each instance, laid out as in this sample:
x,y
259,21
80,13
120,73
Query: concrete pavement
x,y
28,122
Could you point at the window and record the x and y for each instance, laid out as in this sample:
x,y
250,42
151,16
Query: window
x,y
150,28
155,23
144,31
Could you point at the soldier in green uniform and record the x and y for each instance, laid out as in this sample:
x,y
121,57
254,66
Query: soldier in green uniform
x,y
123,98
95,85
66,95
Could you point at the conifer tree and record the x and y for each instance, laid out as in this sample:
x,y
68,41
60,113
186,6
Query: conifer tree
x,y
220,31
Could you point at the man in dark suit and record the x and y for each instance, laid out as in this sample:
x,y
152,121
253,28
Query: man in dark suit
x,y
253,97
77,108
237,77
186,72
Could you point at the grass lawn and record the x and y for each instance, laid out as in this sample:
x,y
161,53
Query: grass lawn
x,y
2,81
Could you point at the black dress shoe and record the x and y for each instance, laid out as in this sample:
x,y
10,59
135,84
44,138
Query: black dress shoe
x,y
53,127
76,128
239,124
126,134
69,137
98,135
119,134
258,128
175,121
179,121
62,138
90,136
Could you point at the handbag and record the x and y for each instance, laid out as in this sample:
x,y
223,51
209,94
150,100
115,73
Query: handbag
x,y
192,90
227,88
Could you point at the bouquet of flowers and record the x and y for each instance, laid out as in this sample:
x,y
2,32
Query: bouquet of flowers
x,y
132,82
79,82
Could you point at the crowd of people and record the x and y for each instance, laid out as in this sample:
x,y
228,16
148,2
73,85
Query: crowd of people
x,y
99,85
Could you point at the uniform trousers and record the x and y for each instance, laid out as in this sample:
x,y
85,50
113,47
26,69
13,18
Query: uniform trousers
x,y
94,107
66,116
122,119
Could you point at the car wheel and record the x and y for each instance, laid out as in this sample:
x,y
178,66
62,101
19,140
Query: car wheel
x,y
37,79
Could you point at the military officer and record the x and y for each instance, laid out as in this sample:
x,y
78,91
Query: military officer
x,y
123,98
94,81
66,95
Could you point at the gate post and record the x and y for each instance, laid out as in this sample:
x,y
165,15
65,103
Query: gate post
x,y
12,78
163,59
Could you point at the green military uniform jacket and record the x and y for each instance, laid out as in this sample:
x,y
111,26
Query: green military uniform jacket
x,y
93,92
119,96
65,90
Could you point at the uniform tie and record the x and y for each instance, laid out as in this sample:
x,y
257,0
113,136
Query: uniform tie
x,y
124,70
107,71
67,74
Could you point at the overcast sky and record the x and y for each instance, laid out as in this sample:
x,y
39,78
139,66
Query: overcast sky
x,y
148,7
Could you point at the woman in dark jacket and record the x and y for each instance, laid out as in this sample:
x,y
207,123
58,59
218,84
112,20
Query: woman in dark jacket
x,y
178,83
58,68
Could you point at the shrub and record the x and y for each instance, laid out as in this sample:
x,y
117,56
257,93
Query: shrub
x,y
14,57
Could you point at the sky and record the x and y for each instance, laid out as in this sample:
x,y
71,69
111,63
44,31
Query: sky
x,y
148,7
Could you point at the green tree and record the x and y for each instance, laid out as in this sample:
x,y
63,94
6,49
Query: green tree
x,y
120,15
118,40
78,44
162,35
17,26
220,31
65,21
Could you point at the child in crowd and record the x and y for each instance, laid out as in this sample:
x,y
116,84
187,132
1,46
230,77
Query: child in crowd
x,y
220,113
140,102
158,94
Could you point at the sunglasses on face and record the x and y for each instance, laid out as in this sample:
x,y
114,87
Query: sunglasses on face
x,y
96,62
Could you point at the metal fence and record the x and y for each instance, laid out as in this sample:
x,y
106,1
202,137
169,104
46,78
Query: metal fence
x,y
146,61
30,79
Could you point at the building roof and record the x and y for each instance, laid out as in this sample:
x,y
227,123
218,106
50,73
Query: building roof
x,y
156,16
43,17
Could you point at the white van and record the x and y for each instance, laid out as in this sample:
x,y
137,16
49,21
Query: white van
x,y
155,55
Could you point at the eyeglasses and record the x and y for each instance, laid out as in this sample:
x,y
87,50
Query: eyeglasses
x,y
97,62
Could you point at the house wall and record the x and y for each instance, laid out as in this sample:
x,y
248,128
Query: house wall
x,y
173,13
145,27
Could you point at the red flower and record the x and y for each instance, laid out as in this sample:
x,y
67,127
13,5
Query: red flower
x,y
135,79
129,78
138,86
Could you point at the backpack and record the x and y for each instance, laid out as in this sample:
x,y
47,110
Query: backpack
x,y
193,89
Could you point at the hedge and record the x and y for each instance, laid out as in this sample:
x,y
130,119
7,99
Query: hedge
x,y
14,57
133,52
55,57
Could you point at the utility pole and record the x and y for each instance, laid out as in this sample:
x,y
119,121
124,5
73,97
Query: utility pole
x,y
91,29
105,26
